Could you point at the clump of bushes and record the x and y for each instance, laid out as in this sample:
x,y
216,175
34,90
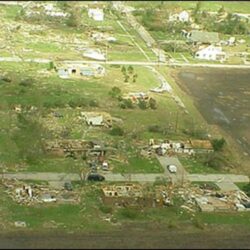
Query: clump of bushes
x,y
126,104
155,129
117,131
218,144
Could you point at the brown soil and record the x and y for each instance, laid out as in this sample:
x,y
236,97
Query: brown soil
x,y
144,236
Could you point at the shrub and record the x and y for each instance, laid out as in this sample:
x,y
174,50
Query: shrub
x,y
106,209
93,103
126,103
130,69
142,104
152,103
135,77
117,131
123,70
26,82
115,92
80,102
218,144
155,129
246,189
126,78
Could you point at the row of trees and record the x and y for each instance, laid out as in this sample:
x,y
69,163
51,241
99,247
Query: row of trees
x,y
116,93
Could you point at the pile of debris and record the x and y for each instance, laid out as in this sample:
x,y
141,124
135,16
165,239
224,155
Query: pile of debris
x,y
207,200
33,194
39,9
60,147
135,195
99,37
189,147
97,118
136,97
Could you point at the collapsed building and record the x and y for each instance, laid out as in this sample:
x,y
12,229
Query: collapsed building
x,y
34,194
67,71
135,195
76,147
100,36
97,119
189,147
136,97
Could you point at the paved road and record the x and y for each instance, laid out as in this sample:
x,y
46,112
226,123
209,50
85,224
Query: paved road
x,y
227,186
224,181
217,178
140,63
60,177
152,63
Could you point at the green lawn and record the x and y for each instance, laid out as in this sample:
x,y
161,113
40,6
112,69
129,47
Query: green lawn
x,y
138,165
195,167
230,6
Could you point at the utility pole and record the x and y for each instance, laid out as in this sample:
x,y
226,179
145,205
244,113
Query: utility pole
x,y
176,121
106,52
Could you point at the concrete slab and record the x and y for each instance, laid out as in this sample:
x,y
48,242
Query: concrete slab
x,y
227,186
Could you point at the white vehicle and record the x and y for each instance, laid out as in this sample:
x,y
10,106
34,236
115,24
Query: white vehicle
x,y
172,168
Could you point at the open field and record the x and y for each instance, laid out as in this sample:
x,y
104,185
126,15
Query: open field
x,y
222,98
230,6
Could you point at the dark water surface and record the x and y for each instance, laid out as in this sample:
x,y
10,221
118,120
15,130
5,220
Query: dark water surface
x,y
223,98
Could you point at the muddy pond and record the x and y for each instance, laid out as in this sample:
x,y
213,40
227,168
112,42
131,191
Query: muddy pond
x,y
223,98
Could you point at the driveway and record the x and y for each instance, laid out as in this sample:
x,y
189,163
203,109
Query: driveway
x,y
180,176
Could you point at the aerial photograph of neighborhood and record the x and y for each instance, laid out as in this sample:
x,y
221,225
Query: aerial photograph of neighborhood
x,y
125,125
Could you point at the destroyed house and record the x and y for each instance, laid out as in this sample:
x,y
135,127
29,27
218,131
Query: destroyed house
x,y
126,195
79,70
203,37
97,118
136,97
201,146
60,147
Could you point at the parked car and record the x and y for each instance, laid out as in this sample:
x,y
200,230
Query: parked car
x,y
172,168
95,177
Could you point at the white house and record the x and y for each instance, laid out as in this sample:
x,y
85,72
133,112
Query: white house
x,y
97,14
211,53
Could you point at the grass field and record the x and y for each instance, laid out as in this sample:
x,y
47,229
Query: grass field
x,y
230,6
195,167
